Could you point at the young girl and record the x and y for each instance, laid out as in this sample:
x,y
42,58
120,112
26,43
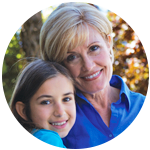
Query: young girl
x,y
43,101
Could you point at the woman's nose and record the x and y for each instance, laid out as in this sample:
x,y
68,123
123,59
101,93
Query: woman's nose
x,y
88,63
59,110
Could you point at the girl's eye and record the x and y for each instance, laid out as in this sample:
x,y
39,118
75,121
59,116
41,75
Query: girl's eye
x,y
71,57
45,102
94,48
66,99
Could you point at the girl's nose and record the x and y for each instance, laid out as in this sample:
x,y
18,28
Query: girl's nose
x,y
59,110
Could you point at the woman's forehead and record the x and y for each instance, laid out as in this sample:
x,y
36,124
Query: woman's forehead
x,y
85,36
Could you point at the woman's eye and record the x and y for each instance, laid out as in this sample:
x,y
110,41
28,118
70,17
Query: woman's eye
x,y
94,48
45,102
71,58
66,99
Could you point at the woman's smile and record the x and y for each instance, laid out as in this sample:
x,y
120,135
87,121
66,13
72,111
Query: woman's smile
x,y
92,76
91,66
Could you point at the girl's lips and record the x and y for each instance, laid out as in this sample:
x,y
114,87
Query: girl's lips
x,y
59,125
93,76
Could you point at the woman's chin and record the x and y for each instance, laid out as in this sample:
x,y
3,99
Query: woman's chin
x,y
91,90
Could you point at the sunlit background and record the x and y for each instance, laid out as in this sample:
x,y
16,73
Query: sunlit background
x,y
130,58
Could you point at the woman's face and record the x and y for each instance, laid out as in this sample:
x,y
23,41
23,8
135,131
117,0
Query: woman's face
x,y
90,64
53,105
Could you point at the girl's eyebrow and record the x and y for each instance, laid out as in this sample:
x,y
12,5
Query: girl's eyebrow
x,y
47,96
68,93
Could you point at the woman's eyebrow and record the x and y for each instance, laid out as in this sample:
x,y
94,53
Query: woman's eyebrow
x,y
47,96
93,43
71,52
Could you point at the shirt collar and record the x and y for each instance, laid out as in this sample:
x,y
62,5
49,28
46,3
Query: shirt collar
x,y
117,82
79,94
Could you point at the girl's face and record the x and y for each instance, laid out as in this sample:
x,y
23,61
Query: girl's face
x,y
90,64
53,105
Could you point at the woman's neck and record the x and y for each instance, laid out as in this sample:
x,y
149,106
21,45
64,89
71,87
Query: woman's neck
x,y
107,95
102,101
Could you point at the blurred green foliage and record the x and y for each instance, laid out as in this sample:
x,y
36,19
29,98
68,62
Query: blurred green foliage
x,y
46,12
10,71
130,58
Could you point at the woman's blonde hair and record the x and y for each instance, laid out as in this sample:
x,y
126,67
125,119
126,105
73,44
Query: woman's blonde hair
x,y
67,27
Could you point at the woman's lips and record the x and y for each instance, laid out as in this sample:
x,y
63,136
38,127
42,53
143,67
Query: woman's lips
x,y
93,76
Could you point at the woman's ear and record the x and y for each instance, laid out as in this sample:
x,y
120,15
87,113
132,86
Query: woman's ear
x,y
20,110
109,39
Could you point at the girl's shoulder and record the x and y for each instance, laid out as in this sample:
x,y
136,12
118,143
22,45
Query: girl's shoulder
x,y
48,136
43,131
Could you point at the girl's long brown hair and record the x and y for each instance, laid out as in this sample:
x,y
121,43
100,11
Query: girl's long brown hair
x,y
29,81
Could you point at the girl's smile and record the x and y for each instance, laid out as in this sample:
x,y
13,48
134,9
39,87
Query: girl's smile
x,y
59,125
53,106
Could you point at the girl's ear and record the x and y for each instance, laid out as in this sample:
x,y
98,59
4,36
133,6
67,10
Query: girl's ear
x,y
20,110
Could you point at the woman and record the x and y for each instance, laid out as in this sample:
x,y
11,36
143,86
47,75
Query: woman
x,y
78,36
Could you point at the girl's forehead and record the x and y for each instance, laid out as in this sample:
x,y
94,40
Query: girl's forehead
x,y
59,81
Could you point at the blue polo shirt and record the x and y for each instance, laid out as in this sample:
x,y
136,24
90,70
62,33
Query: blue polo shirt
x,y
89,129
